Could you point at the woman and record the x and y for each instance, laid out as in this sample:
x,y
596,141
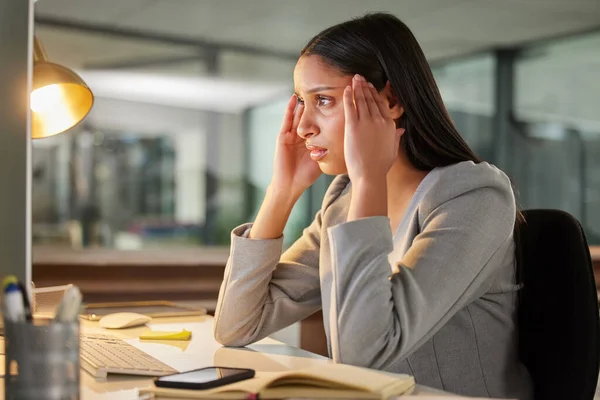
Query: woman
x,y
412,256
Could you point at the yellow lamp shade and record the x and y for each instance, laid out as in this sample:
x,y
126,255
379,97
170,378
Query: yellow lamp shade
x,y
59,99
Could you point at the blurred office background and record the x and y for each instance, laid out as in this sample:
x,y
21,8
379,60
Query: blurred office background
x,y
178,148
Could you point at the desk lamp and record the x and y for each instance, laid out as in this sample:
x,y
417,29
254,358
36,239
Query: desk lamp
x,y
59,98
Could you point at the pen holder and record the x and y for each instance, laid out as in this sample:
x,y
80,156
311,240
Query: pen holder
x,y
42,360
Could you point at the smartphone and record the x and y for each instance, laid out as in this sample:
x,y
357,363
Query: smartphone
x,y
204,378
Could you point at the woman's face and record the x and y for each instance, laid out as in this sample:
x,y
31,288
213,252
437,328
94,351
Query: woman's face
x,y
321,89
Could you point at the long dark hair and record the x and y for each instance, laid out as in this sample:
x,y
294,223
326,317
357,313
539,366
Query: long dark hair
x,y
381,48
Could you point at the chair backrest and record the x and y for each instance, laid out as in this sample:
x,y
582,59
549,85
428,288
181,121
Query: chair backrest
x,y
558,307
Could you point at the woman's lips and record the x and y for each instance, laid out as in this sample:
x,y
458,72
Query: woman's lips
x,y
316,152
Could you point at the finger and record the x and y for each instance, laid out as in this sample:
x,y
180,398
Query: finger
x,y
370,100
359,96
384,110
349,107
297,115
286,124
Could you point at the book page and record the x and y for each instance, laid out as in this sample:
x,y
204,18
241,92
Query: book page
x,y
442,397
303,392
329,380
348,377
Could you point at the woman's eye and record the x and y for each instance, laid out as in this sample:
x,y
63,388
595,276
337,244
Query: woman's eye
x,y
323,101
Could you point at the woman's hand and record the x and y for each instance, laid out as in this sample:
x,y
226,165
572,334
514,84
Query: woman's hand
x,y
294,170
371,141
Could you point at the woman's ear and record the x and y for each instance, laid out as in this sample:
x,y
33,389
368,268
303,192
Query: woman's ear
x,y
396,110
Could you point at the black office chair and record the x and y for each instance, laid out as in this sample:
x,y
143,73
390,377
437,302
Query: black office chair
x,y
559,325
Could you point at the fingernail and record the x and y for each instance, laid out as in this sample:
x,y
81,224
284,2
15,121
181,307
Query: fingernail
x,y
371,85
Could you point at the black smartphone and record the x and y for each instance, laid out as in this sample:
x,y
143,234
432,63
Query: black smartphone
x,y
204,378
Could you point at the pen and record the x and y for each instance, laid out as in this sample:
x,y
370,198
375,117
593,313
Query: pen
x,y
26,303
14,308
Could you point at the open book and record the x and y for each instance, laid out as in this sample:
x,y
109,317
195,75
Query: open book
x,y
328,381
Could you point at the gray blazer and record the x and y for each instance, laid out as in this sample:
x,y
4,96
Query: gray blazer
x,y
436,299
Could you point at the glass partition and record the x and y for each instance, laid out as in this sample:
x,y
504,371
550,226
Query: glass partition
x,y
160,161
557,129
467,88
178,148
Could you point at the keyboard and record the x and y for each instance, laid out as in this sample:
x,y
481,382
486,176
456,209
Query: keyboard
x,y
104,354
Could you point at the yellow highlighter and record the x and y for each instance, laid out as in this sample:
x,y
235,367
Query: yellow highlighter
x,y
158,335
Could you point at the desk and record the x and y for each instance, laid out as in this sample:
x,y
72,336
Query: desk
x,y
201,351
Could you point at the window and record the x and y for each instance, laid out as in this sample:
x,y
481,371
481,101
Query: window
x,y
160,161
557,129
467,88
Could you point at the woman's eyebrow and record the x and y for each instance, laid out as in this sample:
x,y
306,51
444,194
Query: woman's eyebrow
x,y
322,89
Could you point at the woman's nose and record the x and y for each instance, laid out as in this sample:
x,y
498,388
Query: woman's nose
x,y
306,127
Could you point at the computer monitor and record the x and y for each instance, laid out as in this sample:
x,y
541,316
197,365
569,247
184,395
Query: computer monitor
x,y
16,58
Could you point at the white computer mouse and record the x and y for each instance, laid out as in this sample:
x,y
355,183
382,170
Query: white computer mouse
x,y
123,320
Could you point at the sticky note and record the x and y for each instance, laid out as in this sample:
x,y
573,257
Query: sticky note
x,y
162,335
